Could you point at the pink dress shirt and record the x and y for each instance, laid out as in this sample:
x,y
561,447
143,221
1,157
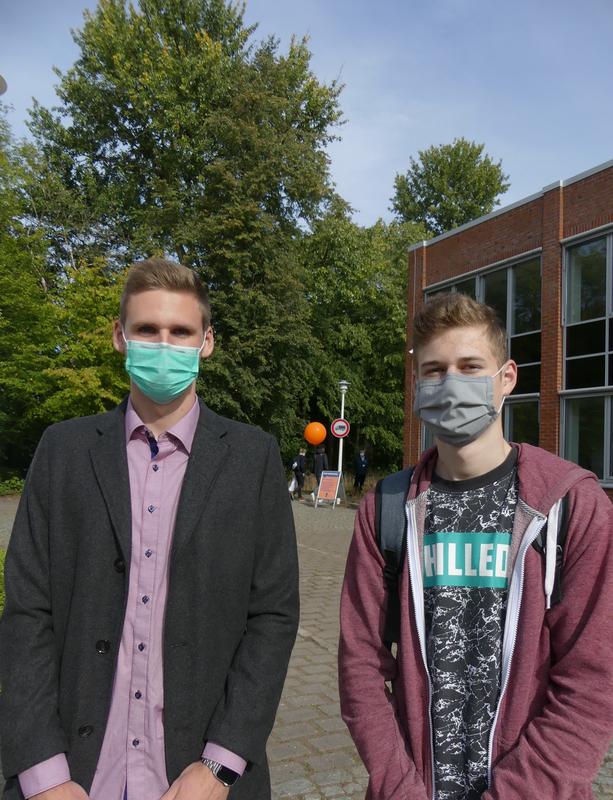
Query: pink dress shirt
x,y
132,754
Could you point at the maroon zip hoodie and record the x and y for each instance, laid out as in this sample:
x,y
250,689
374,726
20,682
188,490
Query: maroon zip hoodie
x,y
555,716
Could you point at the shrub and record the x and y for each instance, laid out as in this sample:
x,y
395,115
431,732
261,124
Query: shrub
x,y
11,486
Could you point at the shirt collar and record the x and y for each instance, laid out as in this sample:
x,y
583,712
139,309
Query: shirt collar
x,y
184,430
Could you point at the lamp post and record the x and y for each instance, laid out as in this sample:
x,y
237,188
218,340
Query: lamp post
x,y
343,386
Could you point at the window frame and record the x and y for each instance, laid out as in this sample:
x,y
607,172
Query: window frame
x,y
605,391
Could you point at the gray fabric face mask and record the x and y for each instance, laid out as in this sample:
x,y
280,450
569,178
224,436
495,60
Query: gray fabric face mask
x,y
458,408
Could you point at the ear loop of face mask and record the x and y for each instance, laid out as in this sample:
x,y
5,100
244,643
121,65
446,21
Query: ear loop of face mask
x,y
503,396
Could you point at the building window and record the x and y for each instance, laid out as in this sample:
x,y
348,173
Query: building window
x,y
584,433
521,421
588,356
514,291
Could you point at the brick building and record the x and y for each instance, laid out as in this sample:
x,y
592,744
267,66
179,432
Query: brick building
x,y
546,264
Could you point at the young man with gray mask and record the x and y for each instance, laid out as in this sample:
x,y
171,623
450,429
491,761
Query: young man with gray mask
x,y
501,687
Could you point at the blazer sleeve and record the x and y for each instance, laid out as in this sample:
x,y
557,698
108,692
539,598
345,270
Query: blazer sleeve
x,y
243,719
365,665
30,729
560,750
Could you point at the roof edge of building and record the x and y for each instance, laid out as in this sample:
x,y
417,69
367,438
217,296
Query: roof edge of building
x,y
504,209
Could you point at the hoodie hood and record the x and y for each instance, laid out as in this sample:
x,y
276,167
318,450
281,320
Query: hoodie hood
x,y
544,478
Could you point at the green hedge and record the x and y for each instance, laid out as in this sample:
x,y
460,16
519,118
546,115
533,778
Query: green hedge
x,y
11,486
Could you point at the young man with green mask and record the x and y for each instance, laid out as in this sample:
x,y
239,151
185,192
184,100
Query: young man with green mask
x,y
501,687
151,582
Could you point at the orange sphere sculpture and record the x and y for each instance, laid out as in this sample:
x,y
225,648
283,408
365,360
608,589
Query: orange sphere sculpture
x,y
315,433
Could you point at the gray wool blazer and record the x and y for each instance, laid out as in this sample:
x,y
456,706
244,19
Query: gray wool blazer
x,y
232,609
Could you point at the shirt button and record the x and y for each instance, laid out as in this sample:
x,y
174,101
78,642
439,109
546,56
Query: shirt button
x,y
135,742
156,467
151,509
138,695
148,553
141,647
145,599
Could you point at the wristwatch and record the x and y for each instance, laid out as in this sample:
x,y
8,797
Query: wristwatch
x,y
223,774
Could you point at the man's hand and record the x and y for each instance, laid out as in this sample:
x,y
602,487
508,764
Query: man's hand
x,y
196,782
65,791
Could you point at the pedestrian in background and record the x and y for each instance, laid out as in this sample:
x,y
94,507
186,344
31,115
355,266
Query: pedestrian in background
x,y
320,463
299,469
361,468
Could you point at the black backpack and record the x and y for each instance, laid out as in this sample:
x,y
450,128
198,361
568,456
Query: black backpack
x,y
391,534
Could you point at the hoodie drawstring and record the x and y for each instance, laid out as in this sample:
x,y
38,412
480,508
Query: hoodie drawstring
x,y
553,525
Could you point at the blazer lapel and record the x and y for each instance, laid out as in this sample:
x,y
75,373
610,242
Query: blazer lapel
x,y
110,462
206,458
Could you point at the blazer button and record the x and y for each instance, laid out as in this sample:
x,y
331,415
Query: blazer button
x,y
85,731
103,645
120,565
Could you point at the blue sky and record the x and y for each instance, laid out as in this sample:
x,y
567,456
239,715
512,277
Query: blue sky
x,y
529,78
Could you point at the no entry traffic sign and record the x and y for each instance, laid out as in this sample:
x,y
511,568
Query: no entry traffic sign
x,y
340,428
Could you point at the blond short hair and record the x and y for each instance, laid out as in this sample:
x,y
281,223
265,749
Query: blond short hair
x,y
456,310
160,273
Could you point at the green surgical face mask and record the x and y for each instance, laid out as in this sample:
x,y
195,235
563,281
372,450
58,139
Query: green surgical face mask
x,y
161,371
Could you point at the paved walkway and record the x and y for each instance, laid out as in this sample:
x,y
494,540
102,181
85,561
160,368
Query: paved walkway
x,y
311,754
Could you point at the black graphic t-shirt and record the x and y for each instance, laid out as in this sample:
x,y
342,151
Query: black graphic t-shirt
x,y
466,545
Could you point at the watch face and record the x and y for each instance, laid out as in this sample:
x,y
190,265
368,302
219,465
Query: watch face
x,y
227,776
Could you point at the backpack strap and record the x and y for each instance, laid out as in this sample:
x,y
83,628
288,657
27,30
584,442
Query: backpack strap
x,y
540,545
391,532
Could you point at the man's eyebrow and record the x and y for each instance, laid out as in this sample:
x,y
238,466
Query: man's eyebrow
x,y
435,363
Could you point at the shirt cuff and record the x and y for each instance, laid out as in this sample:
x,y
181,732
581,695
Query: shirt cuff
x,y
45,775
225,757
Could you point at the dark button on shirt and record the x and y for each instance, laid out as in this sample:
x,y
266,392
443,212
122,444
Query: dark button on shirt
x,y
138,695
145,599
141,647
135,742
156,467
148,553
151,509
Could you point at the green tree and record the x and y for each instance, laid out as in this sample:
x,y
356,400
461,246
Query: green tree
x,y
55,331
357,291
177,134
27,322
449,185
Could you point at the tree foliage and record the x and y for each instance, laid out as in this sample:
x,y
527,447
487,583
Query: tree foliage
x,y
356,283
449,185
177,134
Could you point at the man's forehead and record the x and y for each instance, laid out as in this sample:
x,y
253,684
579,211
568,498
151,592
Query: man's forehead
x,y
458,344
143,306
